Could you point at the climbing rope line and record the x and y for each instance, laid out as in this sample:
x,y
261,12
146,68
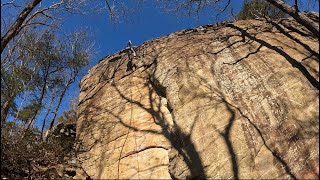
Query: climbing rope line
x,y
135,137
130,123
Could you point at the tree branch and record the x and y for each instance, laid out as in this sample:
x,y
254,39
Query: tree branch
x,y
14,29
298,16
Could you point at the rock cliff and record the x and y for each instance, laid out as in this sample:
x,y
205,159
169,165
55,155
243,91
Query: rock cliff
x,y
229,100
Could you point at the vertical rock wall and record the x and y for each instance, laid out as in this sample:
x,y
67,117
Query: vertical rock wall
x,y
231,100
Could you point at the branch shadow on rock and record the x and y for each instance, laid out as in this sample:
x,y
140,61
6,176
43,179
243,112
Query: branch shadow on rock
x,y
294,63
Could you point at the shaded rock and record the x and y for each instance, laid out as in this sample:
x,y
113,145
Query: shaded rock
x,y
232,100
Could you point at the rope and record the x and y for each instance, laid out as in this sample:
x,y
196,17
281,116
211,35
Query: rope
x,y
131,117
135,137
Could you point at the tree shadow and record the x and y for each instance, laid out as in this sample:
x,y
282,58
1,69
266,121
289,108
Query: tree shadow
x,y
150,101
279,156
294,63
274,153
285,32
179,140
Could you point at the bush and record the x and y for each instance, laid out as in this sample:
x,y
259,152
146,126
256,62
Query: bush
x,y
26,155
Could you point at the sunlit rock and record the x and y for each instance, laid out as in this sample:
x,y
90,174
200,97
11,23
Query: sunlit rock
x,y
232,100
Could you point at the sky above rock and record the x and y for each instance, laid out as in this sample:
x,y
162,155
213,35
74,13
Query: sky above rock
x,y
151,22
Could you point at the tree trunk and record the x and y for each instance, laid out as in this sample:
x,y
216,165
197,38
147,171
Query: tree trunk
x,y
4,111
5,108
298,16
296,5
60,100
15,28
45,117
43,91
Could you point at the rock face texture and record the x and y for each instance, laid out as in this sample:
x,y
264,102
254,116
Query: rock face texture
x,y
230,100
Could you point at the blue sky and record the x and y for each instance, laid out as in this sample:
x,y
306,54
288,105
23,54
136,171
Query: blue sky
x,y
150,23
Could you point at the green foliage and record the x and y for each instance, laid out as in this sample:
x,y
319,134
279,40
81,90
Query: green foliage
x,y
252,9
44,65
70,116
28,111
13,84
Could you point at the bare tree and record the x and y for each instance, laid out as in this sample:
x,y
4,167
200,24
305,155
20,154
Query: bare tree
x,y
79,55
42,95
16,26
34,15
220,6
298,16
120,11
13,83
59,65
49,108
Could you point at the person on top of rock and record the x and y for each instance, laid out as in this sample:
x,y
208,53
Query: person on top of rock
x,y
131,49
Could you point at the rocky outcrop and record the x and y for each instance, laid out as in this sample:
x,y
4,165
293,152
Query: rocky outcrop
x,y
230,100
63,138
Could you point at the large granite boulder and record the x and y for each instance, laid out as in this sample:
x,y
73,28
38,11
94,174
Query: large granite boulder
x,y
230,100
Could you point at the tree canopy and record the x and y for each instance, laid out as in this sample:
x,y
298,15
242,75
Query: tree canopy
x,y
252,9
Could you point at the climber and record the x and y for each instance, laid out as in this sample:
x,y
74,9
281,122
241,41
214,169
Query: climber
x,y
130,52
131,49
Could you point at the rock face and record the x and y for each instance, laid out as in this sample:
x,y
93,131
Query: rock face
x,y
230,100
